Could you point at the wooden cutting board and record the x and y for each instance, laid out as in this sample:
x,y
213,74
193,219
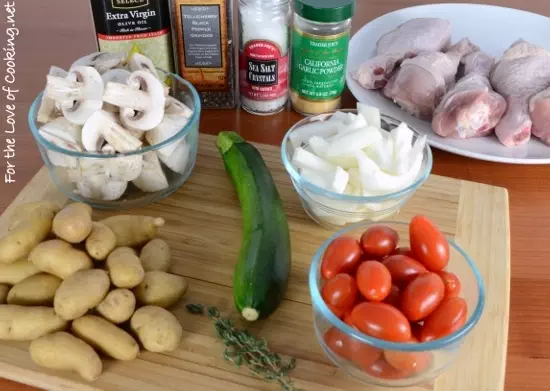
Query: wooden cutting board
x,y
203,228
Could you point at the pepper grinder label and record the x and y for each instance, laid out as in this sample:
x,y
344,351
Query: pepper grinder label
x,y
263,71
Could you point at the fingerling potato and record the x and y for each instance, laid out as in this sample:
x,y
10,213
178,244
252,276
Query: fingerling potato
x,y
24,211
106,337
13,273
132,230
157,329
160,289
73,223
59,258
118,306
19,242
155,255
37,290
63,351
81,292
100,242
18,323
125,268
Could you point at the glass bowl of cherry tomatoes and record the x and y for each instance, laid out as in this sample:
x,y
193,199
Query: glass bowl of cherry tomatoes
x,y
393,302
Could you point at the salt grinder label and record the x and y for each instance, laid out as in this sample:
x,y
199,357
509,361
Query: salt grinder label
x,y
263,71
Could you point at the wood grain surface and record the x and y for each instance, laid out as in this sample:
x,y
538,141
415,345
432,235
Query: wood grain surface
x,y
203,224
58,31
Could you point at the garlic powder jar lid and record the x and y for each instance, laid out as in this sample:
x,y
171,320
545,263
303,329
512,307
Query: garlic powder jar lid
x,y
325,11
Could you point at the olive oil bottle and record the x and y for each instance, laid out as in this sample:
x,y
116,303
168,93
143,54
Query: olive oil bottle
x,y
130,26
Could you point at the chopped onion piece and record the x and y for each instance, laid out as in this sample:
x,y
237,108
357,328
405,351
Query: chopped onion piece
x,y
339,116
321,129
304,159
340,180
418,149
355,178
402,138
318,146
313,177
349,143
370,114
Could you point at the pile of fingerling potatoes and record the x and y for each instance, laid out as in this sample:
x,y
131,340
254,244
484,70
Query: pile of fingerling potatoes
x,y
75,287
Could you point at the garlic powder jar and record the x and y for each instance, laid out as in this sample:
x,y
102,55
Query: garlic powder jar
x,y
264,55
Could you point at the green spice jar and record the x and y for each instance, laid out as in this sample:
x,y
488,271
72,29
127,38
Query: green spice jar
x,y
319,54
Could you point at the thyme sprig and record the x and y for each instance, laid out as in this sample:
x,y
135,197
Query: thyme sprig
x,y
244,348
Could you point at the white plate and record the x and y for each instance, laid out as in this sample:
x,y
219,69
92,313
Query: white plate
x,y
493,29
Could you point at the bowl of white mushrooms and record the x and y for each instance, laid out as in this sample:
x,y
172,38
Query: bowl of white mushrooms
x,y
115,132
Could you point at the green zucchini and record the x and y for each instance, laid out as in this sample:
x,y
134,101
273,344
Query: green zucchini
x,y
263,268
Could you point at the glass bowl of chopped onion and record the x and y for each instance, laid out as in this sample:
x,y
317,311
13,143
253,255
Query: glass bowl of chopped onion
x,y
355,165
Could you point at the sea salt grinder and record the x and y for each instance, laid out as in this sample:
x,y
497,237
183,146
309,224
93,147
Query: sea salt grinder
x,y
264,27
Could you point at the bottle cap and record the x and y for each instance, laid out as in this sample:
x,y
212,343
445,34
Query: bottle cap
x,y
325,11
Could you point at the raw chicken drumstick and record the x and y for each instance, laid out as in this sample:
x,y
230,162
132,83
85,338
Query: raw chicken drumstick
x,y
406,41
539,107
471,108
421,82
523,71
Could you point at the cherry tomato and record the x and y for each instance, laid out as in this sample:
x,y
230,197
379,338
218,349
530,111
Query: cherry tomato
x,y
428,244
382,321
340,292
373,281
422,296
414,362
383,370
350,349
446,319
379,240
394,298
452,284
403,251
338,342
341,256
403,269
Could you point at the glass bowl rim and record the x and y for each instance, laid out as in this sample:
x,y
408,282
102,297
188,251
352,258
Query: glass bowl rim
x,y
345,197
437,344
33,111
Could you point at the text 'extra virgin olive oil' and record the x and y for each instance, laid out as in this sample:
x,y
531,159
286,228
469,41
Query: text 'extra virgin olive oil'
x,y
130,26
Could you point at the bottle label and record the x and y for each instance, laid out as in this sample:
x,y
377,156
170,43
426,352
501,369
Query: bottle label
x,y
319,65
263,71
141,26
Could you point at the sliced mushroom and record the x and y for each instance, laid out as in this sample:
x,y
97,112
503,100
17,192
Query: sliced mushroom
x,y
170,125
178,160
48,109
139,62
91,95
152,176
63,89
65,130
116,75
101,127
123,168
141,100
174,106
100,188
108,149
101,61
57,137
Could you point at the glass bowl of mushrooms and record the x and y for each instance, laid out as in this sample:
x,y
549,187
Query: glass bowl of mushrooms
x,y
116,132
